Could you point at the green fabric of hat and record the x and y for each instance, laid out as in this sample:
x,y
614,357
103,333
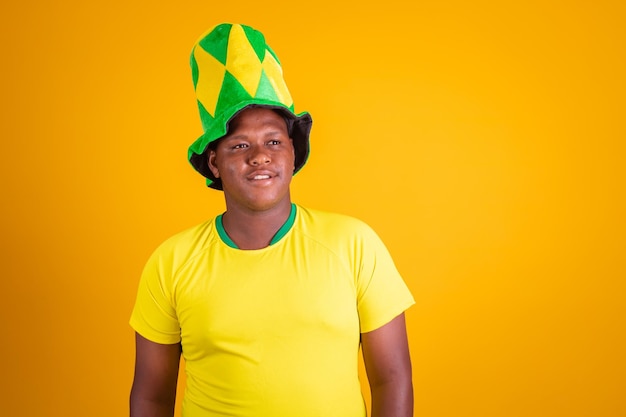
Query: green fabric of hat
x,y
233,68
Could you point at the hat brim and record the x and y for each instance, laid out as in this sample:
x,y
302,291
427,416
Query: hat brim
x,y
298,125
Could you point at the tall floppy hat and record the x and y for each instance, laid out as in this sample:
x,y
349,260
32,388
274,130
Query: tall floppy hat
x,y
233,68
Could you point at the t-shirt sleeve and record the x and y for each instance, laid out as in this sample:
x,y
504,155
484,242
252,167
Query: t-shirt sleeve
x,y
382,294
154,315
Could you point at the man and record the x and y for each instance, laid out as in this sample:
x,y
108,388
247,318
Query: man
x,y
269,302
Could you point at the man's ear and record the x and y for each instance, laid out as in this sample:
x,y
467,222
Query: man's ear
x,y
293,151
211,163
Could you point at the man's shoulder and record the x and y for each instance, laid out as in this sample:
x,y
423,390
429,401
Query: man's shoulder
x,y
187,243
325,223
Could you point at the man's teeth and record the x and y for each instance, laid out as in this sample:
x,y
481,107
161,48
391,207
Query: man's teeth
x,y
261,177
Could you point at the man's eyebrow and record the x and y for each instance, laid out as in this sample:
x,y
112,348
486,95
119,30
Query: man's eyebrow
x,y
239,136
274,132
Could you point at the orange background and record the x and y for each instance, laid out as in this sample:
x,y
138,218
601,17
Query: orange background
x,y
484,141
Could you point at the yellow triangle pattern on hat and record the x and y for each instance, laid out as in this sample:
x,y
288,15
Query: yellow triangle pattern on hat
x,y
207,90
274,73
242,61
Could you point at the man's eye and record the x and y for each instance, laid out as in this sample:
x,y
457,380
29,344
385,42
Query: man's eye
x,y
240,146
274,142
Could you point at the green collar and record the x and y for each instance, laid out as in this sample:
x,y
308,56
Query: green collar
x,y
279,235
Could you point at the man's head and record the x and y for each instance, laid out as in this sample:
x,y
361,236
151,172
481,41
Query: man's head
x,y
234,69
254,162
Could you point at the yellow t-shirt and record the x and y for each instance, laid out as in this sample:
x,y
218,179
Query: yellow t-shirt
x,y
272,332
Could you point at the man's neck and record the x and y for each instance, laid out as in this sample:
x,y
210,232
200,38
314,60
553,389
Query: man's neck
x,y
250,229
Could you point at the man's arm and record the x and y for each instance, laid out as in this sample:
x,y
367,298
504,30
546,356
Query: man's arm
x,y
156,374
388,366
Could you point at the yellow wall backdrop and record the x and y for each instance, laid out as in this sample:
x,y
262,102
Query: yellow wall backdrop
x,y
483,140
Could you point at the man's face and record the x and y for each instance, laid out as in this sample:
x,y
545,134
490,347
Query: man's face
x,y
255,161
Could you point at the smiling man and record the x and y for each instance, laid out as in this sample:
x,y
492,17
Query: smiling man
x,y
269,302
255,163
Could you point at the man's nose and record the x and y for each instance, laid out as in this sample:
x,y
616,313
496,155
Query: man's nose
x,y
259,156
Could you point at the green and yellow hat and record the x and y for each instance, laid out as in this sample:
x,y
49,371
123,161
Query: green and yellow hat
x,y
233,68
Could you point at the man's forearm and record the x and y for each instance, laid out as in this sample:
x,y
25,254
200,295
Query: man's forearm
x,y
147,408
392,399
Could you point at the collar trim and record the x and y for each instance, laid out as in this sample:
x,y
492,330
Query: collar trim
x,y
277,237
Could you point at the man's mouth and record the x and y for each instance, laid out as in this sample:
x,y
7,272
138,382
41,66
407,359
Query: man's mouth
x,y
261,177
